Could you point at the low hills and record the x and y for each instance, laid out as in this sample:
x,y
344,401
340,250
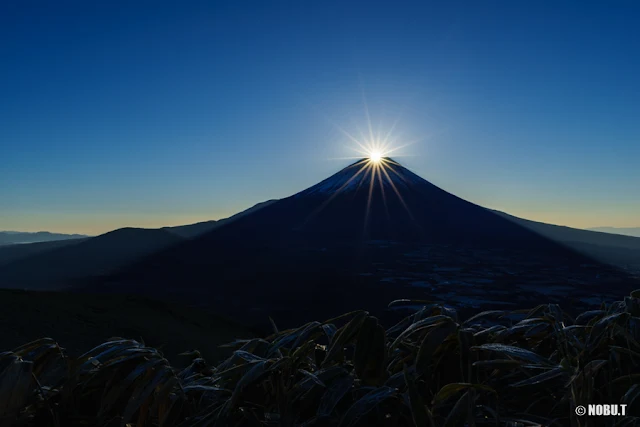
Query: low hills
x,y
55,268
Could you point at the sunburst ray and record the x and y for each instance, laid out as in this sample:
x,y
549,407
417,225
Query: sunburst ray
x,y
374,145
363,167
384,196
395,189
372,167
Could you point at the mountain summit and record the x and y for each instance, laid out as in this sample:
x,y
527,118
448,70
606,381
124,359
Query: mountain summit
x,y
365,174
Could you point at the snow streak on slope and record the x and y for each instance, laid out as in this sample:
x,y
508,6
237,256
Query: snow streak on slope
x,y
362,175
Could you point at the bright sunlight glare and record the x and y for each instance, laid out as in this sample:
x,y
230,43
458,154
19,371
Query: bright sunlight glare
x,y
375,163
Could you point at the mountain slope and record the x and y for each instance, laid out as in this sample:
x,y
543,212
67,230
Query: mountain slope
x,y
628,231
193,230
16,237
92,257
190,231
616,249
568,234
339,244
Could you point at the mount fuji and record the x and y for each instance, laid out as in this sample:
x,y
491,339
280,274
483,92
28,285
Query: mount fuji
x,y
371,233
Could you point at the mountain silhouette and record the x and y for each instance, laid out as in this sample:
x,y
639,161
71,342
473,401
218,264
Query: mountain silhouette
x,y
362,203
335,245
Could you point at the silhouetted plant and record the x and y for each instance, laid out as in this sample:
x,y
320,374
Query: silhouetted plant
x,y
496,368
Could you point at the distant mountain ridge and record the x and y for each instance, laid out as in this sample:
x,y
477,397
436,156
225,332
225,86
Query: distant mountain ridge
x,y
16,237
626,231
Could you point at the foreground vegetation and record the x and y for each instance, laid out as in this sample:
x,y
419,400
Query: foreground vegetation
x,y
431,369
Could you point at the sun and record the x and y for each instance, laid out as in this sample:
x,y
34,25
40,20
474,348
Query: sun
x,y
375,148
375,156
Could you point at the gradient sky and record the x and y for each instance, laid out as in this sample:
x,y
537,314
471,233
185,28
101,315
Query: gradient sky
x,y
135,113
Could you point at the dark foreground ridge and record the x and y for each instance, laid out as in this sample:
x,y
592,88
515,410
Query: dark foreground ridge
x,y
52,267
350,242
499,368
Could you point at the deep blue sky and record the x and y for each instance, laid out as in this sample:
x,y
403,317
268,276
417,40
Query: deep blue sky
x,y
150,113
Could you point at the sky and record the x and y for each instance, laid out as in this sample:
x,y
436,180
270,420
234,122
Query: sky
x,y
149,114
